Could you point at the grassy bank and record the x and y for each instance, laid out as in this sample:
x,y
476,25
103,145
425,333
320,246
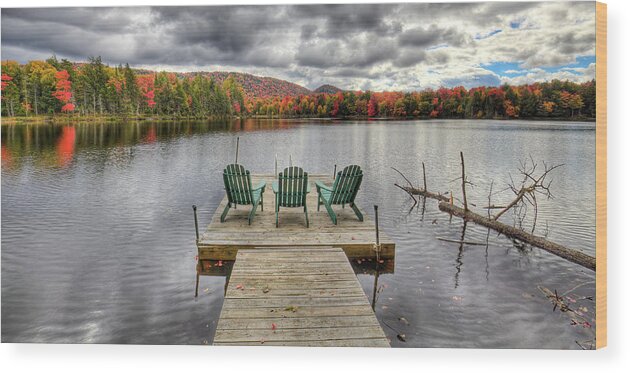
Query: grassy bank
x,y
70,119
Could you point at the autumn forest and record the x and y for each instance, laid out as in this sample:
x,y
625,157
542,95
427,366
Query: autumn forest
x,y
61,87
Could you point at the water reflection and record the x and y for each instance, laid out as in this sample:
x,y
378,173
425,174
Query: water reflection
x,y
213,268
23,140
65,145
460,255
96,202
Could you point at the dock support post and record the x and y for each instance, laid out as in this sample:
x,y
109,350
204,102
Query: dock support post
x,y
378,258
197,241
196,222
335,172
378,245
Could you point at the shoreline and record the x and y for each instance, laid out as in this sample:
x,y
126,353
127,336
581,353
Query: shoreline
x,y
72,119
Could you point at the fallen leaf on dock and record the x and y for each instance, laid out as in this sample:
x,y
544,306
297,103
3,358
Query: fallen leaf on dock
x,y
291,308
274,326
266,289
239,286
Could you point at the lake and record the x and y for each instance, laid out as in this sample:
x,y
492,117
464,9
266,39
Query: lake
x,y
98,241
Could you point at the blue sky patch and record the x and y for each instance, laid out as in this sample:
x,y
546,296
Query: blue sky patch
x,y
513,69
510,69
485,36
487,80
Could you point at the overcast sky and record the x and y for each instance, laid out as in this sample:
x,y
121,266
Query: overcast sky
x,y
375,46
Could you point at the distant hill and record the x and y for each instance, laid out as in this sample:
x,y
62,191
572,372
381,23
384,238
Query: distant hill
x,y
257,86
327,88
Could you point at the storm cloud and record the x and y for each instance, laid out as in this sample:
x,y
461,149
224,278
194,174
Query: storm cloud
x,y
355,46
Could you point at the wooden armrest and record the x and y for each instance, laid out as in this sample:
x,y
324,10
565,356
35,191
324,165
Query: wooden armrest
x,y
261,185
321,185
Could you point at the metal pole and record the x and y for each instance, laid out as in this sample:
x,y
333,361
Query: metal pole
x,y
376,222
378,245
276,167
196,223
335,172
378,257
237,141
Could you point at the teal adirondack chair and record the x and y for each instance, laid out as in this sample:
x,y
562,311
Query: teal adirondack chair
x,y
238,187
342,192
291,189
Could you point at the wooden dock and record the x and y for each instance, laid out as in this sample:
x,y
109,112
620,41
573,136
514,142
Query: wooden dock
x,y
221,241
294,296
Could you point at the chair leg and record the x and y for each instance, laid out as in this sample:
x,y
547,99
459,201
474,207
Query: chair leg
x,y
225,211
331,213
319,201
357,211
261,202
306,214
252,213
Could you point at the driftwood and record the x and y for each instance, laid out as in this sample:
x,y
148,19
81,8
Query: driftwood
x,y
572,255
424,193
526,191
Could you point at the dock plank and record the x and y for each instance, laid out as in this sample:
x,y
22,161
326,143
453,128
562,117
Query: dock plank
x,y
296,302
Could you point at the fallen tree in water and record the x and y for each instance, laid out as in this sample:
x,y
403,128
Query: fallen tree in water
x,y
572,255
525,194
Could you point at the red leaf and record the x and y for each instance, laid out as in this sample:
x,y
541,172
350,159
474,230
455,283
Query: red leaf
x,y
274,326
239,286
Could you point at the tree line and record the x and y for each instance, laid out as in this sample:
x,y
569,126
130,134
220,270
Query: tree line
x,y
52,86
94,88
555,99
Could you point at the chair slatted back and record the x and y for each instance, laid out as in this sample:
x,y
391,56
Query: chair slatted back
x,y
238,184
346,185
292,184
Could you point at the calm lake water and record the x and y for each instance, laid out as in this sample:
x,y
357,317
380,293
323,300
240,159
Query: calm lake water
x,y
98,240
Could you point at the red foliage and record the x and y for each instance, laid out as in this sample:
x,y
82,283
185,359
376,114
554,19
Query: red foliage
x,y
5,80
147,88
63,91
373,106
67,108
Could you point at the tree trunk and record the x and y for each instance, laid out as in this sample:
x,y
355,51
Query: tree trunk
x,y
35,97
572,255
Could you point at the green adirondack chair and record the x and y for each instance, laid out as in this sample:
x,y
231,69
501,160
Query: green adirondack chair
x,y
342,192
238,187
291,189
